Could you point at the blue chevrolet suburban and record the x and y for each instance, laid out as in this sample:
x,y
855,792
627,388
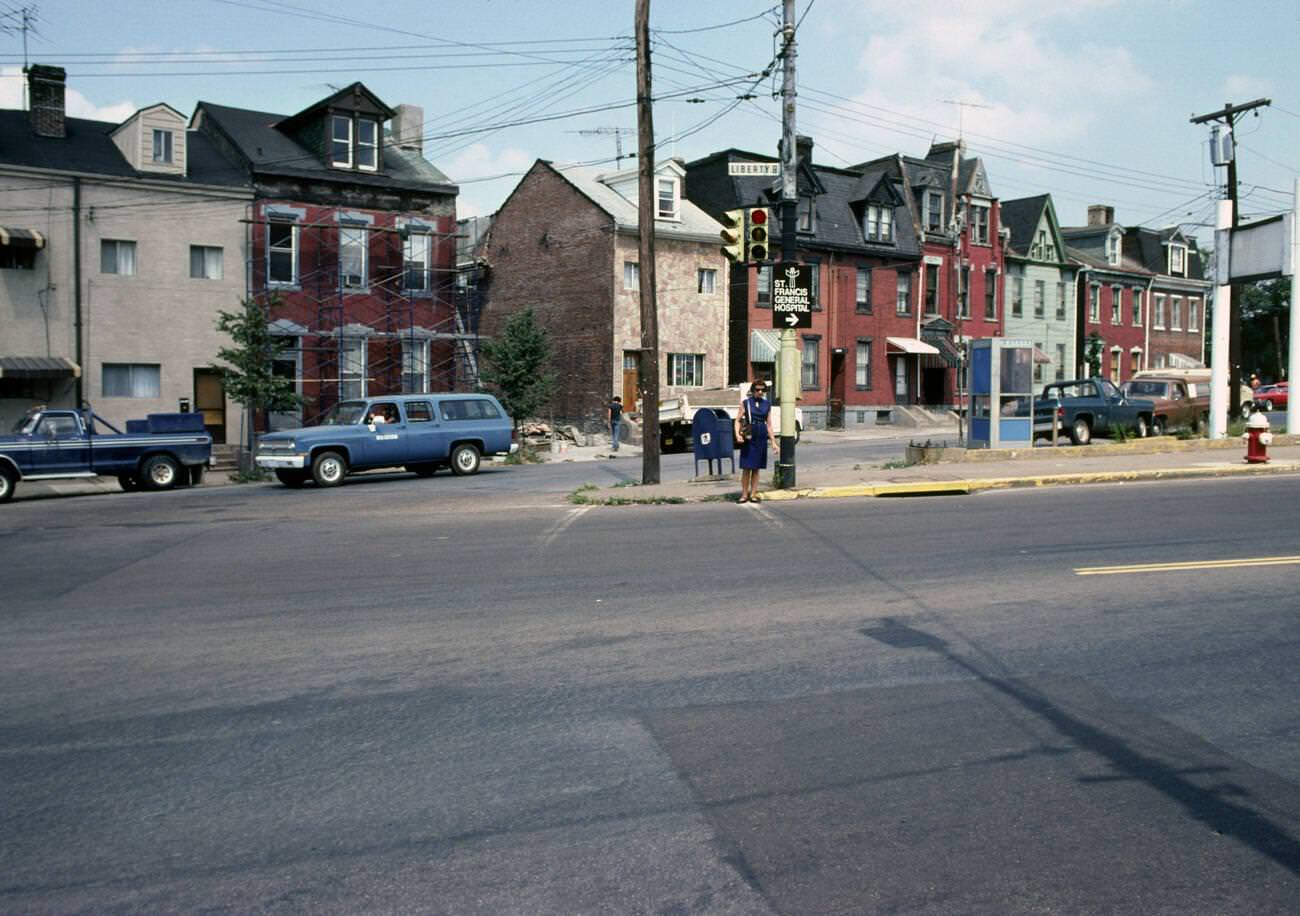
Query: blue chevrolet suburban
x,y
418,432
156,453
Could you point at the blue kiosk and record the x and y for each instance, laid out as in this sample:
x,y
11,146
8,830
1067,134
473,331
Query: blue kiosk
x,y
1001,393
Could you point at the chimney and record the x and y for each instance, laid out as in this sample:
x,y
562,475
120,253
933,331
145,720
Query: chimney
x,y
1101,215
408,127
45,89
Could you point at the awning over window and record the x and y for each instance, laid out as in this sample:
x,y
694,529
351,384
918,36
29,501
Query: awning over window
x,y
948,356
38,367
911,345
21,238
1040,356
764,345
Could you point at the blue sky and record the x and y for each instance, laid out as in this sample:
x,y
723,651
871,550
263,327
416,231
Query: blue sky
x,y
1086,99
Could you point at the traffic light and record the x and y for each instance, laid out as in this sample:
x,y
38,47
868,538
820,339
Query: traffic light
x,y
757,221
733,231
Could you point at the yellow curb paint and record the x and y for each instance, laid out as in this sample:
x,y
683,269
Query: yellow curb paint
x,y
1187,565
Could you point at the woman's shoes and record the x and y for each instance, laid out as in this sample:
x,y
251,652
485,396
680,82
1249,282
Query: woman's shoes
x,y
755,499
743,499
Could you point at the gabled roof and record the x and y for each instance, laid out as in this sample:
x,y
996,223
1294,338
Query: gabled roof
x,y
597,185
1021,218
88,148
140,111
355,97
1152,248
257,137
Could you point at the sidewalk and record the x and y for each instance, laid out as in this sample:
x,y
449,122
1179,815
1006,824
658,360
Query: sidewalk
x,y
1042,467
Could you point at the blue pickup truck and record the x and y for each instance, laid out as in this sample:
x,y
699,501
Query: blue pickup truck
x,y
418,432
1089,407
156,453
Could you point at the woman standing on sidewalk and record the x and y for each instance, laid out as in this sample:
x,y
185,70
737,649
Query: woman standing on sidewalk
x,y
753,451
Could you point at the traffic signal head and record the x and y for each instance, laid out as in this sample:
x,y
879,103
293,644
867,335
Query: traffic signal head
x,y
757,223
733,231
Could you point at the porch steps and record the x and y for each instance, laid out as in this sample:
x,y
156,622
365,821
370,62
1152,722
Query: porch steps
x,y
225,458
914,415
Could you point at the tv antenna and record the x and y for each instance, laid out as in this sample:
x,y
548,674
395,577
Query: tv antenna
x,y
618,133
961,111
20,20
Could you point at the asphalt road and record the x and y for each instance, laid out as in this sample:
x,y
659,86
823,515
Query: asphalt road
x,y
455,696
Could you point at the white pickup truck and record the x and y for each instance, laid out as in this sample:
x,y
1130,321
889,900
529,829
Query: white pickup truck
x,y
677,413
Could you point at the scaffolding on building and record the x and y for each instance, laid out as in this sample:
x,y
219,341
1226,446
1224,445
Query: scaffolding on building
x,y
366,322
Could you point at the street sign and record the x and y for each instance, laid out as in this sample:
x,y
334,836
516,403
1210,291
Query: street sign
x,y
743,169
1260,250
791,295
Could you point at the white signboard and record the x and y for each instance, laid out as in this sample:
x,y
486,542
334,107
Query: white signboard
x,y
1261,250
765,169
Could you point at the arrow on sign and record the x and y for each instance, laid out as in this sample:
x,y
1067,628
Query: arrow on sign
x,y
791,319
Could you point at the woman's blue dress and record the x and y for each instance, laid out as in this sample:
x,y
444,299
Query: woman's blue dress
x,y
753,454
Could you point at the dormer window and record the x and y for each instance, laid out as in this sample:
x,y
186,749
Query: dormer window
x,y
933,211
354,143
878,223
1178,259
806,213
162,146
1043,249
1113,249
667,199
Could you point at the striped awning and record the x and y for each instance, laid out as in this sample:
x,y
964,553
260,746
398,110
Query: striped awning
x,y
949,356
21,238
764,345
911,345
38,367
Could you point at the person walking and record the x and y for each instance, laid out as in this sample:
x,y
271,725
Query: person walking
x,y
615,418
753,451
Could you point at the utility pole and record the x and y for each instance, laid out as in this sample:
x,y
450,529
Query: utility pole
x,y
789,377
1229,115
649,368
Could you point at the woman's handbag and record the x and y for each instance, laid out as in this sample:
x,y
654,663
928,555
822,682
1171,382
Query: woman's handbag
x,y
746,425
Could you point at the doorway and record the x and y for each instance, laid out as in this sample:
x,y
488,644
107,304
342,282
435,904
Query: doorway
x,y
631,379
835,407
210,400
932,387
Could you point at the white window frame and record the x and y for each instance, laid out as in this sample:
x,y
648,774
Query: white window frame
x,y
706,281
963,294
632,276
669,185
1017,296
1114,245
1193,314
1094,303
1138,296
903,293
1040,299
1116,305
205,257
292,251
1158,318
354,238
1175,313
1178,260
415,364
862,364
363,146
980,216
335,121
991,294
862,290
409,258
810,364
124,257
162,146
353,357
1062,300
878,223
1060,362
143,380
686,370
933,211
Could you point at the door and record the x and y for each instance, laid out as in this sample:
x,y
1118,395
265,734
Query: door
x,y
424,439
384,442
210,400
631,378
835,409
900,380
60,446
932,385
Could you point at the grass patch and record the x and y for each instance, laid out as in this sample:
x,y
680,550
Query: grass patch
x,y
252,475
527,454
895,465
627,483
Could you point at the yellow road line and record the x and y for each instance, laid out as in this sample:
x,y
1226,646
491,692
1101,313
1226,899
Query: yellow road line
x,y
1190,564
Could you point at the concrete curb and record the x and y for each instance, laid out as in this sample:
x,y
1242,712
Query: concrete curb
x,y
963,487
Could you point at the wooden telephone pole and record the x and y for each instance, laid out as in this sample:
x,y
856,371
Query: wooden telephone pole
x,y
649,369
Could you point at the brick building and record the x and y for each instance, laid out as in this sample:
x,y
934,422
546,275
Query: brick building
x,y
565,243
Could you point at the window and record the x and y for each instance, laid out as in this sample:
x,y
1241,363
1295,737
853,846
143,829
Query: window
x,y
1060,301
1060,362
1158,321
1137,308
862,365
815,270
61,427
352,257
415,365
862,295
1017,297
469,409
707,281
354,143
162,146
1193,314
417,254
281,253
903,302
764,286
991,295
14,258
341,141
879,223
205,262
1040,299
1038,367
806,211
132,380
667,199
352,368
810,363
1116,360
686,369
631,275
1134,362
932,289
1113,248
117,257
933,211
963,295
419,412
1116,305
979,224
1043,249
367,144
1094,304
1178,259
1176,313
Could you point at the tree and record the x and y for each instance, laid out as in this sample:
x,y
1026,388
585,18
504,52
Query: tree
x,y
517,366
249,375
1092,353
1265,327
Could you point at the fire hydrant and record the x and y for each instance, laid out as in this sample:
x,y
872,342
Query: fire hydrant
x,y
1258,439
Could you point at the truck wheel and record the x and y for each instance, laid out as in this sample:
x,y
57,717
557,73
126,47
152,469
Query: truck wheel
x,y
1081,432
1143,426
159,473
7,485
1159,426
293,479
328,469
128,482
464,460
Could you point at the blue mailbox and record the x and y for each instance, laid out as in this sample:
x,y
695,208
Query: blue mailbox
x,y
713,439
1001,393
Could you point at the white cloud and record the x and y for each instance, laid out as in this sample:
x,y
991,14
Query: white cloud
x,y
480,162
1242,88
12,92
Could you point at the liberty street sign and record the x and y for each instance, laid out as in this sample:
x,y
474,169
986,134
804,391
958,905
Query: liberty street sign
x,y
791,295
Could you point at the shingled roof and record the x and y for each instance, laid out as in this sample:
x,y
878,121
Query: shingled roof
x,y
1021,217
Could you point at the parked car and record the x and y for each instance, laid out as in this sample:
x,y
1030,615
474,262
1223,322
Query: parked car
x,y
419,432
1089,407
1175,405
1198,383
1272,397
